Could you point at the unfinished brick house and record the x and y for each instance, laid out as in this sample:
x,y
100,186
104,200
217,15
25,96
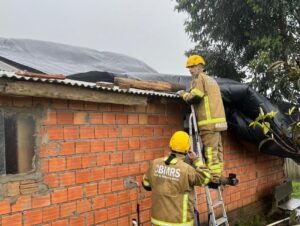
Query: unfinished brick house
x,y
68,148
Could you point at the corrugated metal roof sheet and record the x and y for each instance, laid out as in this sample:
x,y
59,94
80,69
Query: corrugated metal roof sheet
x,y
88,85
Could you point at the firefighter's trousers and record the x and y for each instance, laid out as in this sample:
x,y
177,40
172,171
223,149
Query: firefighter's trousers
x,y
213,152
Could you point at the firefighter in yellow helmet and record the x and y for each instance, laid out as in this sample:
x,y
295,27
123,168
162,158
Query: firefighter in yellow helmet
x,y
205,94
172,182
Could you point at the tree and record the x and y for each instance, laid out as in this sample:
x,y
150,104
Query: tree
x,y
242,39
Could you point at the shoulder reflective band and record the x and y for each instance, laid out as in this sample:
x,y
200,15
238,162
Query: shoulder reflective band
x,y
164,223
185,95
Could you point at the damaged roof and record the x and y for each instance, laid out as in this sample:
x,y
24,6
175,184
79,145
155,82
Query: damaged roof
x,y
84,67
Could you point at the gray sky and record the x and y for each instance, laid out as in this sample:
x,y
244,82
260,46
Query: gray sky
x,y
149,30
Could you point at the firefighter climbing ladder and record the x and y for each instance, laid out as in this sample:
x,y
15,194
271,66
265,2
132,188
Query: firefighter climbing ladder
x,y
212,205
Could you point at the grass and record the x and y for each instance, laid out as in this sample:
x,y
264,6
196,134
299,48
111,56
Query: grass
x,y
296,189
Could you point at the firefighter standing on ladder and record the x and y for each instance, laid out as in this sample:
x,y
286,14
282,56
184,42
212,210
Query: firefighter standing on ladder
x,y
172,183
205,94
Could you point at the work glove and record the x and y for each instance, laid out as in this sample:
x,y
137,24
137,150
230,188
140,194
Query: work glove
x,y
180,93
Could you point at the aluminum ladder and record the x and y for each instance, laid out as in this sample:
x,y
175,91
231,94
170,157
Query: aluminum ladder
x,y
212,205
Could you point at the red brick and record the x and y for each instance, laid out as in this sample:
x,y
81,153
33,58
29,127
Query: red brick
x,y
83,206
126,131
111,200
104,187
124,221
64,118
67,148
57,164
91,189
133,169
40,201
122,119
83,177
67,179
59,196
4,207
96,118
125,209
60,223
123,145
90,219
122,171
143,119
117,185
133,119
116,158
74,163
97,174
109,145
50,213
109,118
33,217
51,180
48,150
123,197
55,133
50,118
137,131
103,160
101,216
101,132
139,156
98,202
22,203
110,172
82,147
128,157
67,209
113,132
80,118
113,213
78,221
87,133
89,161
97,146
12,220
71,133
75,193
134,144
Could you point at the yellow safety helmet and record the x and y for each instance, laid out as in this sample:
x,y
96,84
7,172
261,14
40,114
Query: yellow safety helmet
x,y
180,142
194,60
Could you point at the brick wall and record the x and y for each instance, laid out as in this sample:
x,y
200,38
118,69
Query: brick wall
x,y
85,152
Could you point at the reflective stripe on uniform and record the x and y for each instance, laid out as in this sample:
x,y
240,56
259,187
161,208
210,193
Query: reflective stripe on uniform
x,y
207,108
209,155
164,223
198,163
173,161
211,121
197,92
185,203
185,95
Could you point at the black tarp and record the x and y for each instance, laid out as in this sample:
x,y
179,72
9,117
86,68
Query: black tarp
x,y
241,102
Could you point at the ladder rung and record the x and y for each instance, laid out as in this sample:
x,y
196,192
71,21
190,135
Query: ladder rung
x,y
221,220
217,203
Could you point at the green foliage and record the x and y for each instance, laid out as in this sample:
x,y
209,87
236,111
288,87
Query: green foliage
x,y
296,189
241,39
292,132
